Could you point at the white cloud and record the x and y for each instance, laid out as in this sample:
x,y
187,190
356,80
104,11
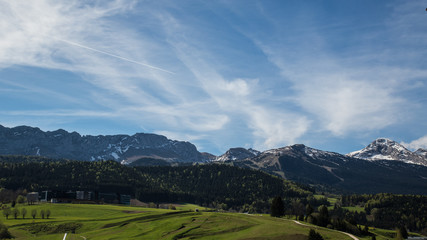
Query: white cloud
x,y
274,129
344,94
243,99
417,143
82,39
344,105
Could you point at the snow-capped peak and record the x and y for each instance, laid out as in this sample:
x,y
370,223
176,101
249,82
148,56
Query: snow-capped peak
x,y
386,149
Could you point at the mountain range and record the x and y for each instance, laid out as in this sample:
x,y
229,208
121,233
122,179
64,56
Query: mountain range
x,y
337,172
24,140
382,166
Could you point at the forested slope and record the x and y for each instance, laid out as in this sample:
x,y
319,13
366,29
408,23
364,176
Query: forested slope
x,y
210,184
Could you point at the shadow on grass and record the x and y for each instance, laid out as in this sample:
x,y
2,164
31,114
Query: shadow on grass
x,y
149,218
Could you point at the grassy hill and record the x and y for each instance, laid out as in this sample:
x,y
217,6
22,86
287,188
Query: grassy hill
x,y
123,222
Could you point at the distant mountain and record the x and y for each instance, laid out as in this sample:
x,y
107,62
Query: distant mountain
x,y
386,149
336,171
24,140
237,154
421,152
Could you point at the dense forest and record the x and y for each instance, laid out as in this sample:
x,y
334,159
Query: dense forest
x,y
390,210
208,185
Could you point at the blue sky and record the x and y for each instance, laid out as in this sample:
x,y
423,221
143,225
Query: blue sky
x,y
334,75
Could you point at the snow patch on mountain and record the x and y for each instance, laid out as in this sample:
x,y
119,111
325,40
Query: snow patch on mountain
x,y
386,149
24,140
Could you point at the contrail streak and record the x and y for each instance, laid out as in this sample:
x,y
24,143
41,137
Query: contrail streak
x,y
116,56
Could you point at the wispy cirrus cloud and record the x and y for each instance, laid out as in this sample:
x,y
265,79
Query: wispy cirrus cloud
x,y
238,98
356,90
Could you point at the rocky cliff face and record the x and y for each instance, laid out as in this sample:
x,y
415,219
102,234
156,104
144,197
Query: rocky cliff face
x,y
25,140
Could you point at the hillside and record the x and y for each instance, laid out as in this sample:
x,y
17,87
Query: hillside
x,y
207,185
120,222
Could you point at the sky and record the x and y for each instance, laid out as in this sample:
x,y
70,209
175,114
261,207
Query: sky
x,y
333,75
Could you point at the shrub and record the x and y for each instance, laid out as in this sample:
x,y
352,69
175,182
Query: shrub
x,y
4,232
313,235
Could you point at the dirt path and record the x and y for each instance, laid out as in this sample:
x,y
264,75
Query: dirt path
x,y
348,234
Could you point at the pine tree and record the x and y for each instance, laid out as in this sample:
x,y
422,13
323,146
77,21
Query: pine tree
x,y
277,208
323,219
308,210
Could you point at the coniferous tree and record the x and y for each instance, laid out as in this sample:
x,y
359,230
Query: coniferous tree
x,y
323,218
277,208
308,210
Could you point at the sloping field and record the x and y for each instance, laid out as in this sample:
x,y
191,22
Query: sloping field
x,y
120,222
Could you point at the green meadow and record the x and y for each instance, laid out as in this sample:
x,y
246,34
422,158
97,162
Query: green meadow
x,y
87,221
